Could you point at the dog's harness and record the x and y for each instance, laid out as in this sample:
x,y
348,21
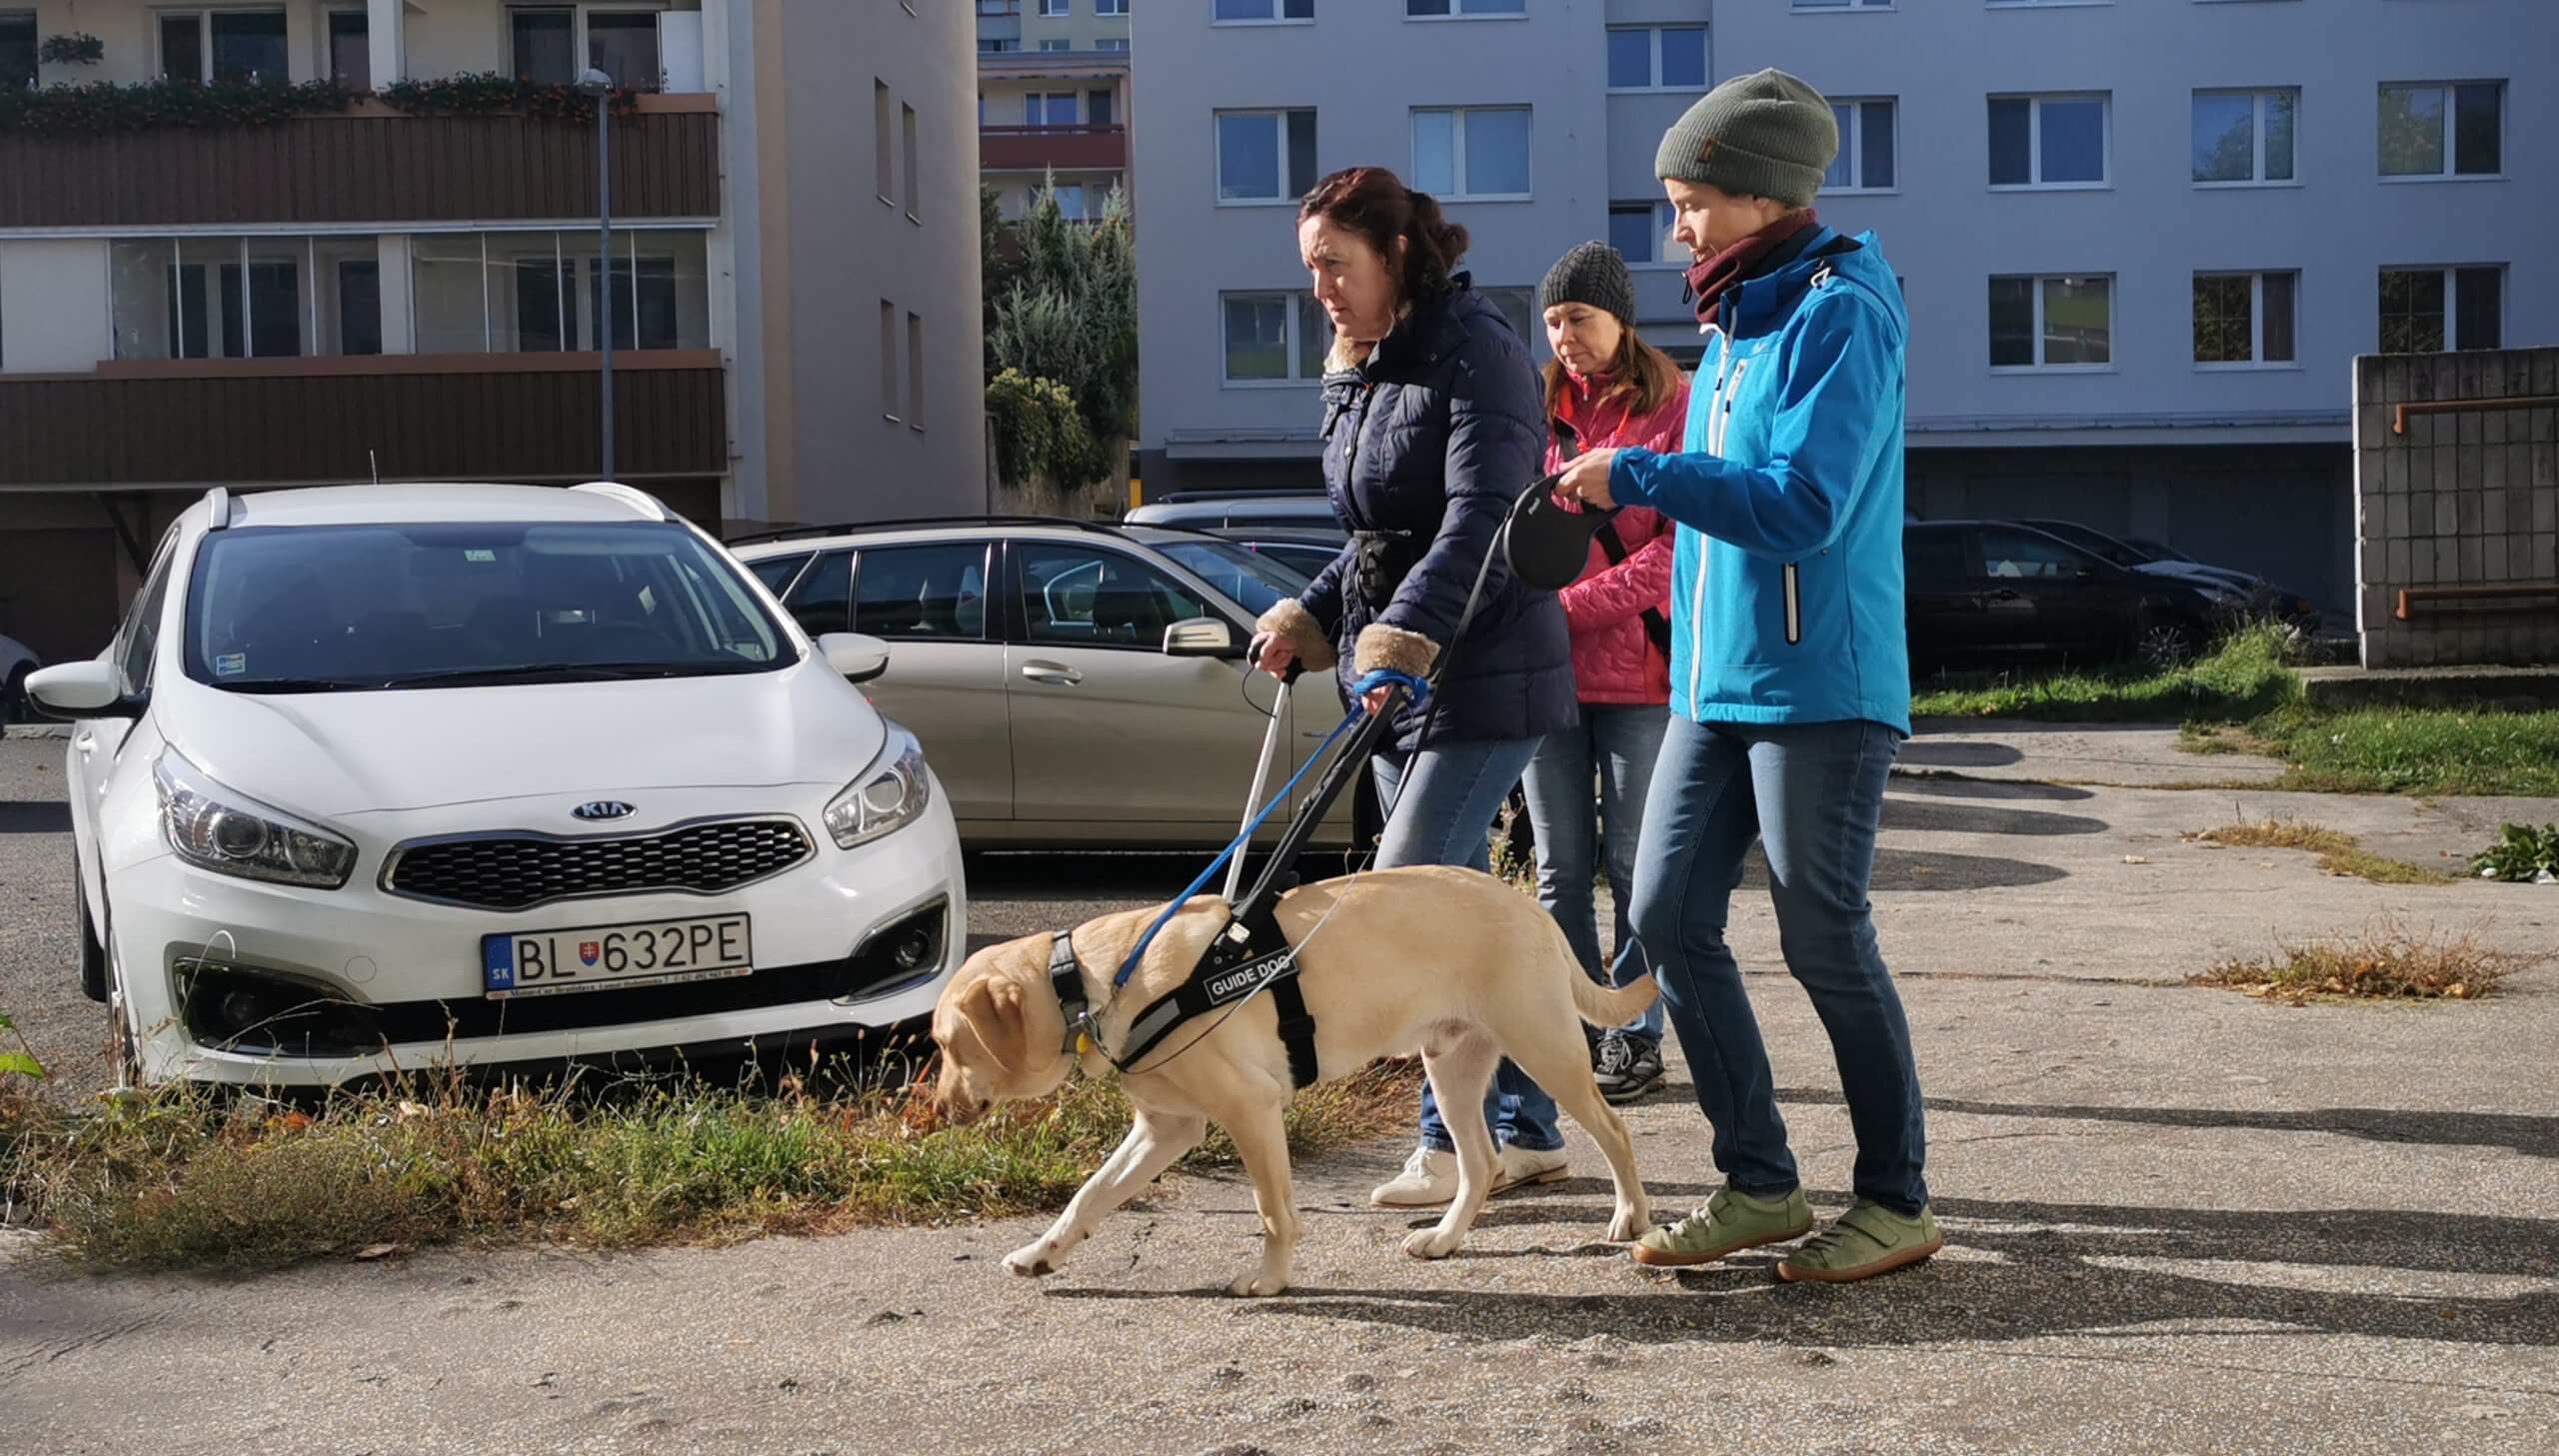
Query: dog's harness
x,y
1250,956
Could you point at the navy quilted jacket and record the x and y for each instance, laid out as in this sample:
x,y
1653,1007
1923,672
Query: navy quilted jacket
x,y
1434,436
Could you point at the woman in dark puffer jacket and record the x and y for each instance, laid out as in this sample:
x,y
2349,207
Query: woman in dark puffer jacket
x,y
1433,426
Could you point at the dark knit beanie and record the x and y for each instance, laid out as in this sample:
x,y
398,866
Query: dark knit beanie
x,y
1592,274
1763,135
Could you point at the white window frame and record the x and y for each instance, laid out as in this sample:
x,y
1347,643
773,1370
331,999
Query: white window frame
x,y
1055,9
2256,360
2451,299
2034,141
204,36
1276,17
1110,9
579,50
1842,7
1118,43
1654,84
2259,95
2045,4
1458,12
326,67
1852,144
1053,43
1664,220
1278,118
2451,107
1457,151
1075,101
2039,366
1301,306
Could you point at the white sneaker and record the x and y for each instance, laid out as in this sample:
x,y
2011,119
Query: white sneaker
x,y
1520,1166
1429,1176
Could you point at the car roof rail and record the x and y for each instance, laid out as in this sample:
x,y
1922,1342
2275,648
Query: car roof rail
x,y
918,522
217,504
637,500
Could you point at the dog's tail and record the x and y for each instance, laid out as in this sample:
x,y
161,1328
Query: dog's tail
x,y
1611,1006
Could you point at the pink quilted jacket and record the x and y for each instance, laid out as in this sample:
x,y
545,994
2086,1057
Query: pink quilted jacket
x,y
1613,658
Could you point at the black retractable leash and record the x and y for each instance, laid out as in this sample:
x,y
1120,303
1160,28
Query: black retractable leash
x,y
1545,545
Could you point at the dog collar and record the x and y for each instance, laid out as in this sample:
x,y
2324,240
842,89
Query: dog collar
x,y
1066,977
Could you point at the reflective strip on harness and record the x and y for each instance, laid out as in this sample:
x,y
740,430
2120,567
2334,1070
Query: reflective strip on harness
x,y
1229,973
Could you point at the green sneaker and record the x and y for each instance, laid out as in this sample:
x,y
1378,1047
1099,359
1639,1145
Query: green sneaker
x,y
1729,1223
1868,1240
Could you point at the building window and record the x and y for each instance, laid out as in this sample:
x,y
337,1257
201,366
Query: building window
x,y
18,49
1266,156
1843,4
621,42
996,46
914,372
889,361
1053,7
2027,4
351,49
1070,200
1869,146
1516,305
1260,12
624,45
245,297
1274,338
2244,136
2246,318
2052,323
1641,232
1110,7
223,45
1461,9
1101,108
2430,309
1658,58
1110,44
2049,141
1049,109
1471,153
914,171
882,182
2455,130
1053,45
541,292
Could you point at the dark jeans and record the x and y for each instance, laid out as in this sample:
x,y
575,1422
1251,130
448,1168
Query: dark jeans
x,y
1440,807
1814,794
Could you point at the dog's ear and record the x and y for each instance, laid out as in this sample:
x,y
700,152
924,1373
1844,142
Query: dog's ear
x,y
993,1009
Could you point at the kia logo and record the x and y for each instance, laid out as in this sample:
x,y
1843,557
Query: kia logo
x,y
603,809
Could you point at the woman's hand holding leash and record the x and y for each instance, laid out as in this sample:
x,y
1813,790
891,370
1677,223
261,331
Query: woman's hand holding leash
x,y
1586,479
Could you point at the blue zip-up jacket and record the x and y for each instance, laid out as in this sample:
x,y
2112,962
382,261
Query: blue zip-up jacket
x,y
1785,589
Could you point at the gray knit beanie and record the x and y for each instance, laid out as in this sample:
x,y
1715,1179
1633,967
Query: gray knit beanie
x,y
1592,274
1764,135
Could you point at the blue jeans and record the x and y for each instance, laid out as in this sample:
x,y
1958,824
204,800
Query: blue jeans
x,y
1578,832
1813,793
1440,807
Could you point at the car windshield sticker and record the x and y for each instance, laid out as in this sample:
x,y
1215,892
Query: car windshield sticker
x,y
479,556
231,664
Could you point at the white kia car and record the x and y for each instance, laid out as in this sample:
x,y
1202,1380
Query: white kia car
x,y
383,778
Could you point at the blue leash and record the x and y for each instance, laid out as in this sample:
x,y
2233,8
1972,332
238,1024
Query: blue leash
x,y
1418,692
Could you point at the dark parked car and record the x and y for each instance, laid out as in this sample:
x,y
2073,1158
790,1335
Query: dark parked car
x,y
2237,592
1996,590
1308,552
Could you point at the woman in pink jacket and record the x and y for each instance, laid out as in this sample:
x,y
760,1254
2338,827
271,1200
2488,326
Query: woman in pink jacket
x,y
1613,389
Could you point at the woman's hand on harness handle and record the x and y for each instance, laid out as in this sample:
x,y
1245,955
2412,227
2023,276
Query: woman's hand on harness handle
x,y
1273,655
1586,479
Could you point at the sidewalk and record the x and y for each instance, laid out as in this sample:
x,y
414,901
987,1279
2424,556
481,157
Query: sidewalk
x,y
2182,1221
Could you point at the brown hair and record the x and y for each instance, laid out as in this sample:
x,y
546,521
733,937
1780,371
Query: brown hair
x,y
1374,203
1638,368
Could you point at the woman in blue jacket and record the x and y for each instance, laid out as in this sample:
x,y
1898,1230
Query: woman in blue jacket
x,y
1433,424
1790,677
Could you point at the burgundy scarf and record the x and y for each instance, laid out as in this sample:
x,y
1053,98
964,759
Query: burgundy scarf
x,y
1712,278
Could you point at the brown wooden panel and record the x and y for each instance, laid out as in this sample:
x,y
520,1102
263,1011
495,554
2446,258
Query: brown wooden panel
x,y
514,417
361,168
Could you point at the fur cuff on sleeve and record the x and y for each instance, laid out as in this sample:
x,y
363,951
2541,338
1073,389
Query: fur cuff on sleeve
x,y
1295,624
1382,645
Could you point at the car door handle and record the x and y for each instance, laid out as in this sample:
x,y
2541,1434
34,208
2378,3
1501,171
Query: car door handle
x,y
86,741
1057,675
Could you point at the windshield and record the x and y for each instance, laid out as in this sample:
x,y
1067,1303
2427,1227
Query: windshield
x,y
344,607
1251,581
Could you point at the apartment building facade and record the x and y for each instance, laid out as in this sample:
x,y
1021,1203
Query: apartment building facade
x,y
2141,239
418,291
1052,100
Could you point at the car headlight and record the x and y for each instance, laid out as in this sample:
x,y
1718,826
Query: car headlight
x,y
889,795
211,827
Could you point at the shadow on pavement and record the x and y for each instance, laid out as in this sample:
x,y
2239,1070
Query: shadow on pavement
x,y
1974,818
1929,785
2531,1136
1922,752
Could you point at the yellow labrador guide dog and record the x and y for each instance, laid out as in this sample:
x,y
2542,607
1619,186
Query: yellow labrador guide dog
x,y
1451,964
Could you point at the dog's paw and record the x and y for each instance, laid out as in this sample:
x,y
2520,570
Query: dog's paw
x,y
1258,1285
1430,1243
1033,1261
1629,1226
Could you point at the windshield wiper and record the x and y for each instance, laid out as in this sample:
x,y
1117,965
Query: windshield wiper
x,y
293,684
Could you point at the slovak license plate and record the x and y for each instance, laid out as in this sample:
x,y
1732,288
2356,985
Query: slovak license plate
x,y
604,957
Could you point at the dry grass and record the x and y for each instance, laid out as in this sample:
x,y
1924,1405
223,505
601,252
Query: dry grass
x,y
186,1178
2387,962
2339,852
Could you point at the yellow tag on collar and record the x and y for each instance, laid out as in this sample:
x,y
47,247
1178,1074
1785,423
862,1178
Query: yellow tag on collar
x,y
1083,1044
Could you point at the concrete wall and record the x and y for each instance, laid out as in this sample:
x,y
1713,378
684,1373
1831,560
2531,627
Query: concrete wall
x,y
1080,27
2465,499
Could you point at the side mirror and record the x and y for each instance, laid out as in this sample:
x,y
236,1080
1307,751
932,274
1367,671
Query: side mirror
x,y
76,690
1202,636
858,658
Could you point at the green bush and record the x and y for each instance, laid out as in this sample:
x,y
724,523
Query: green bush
x,y
2520,855
1039,431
